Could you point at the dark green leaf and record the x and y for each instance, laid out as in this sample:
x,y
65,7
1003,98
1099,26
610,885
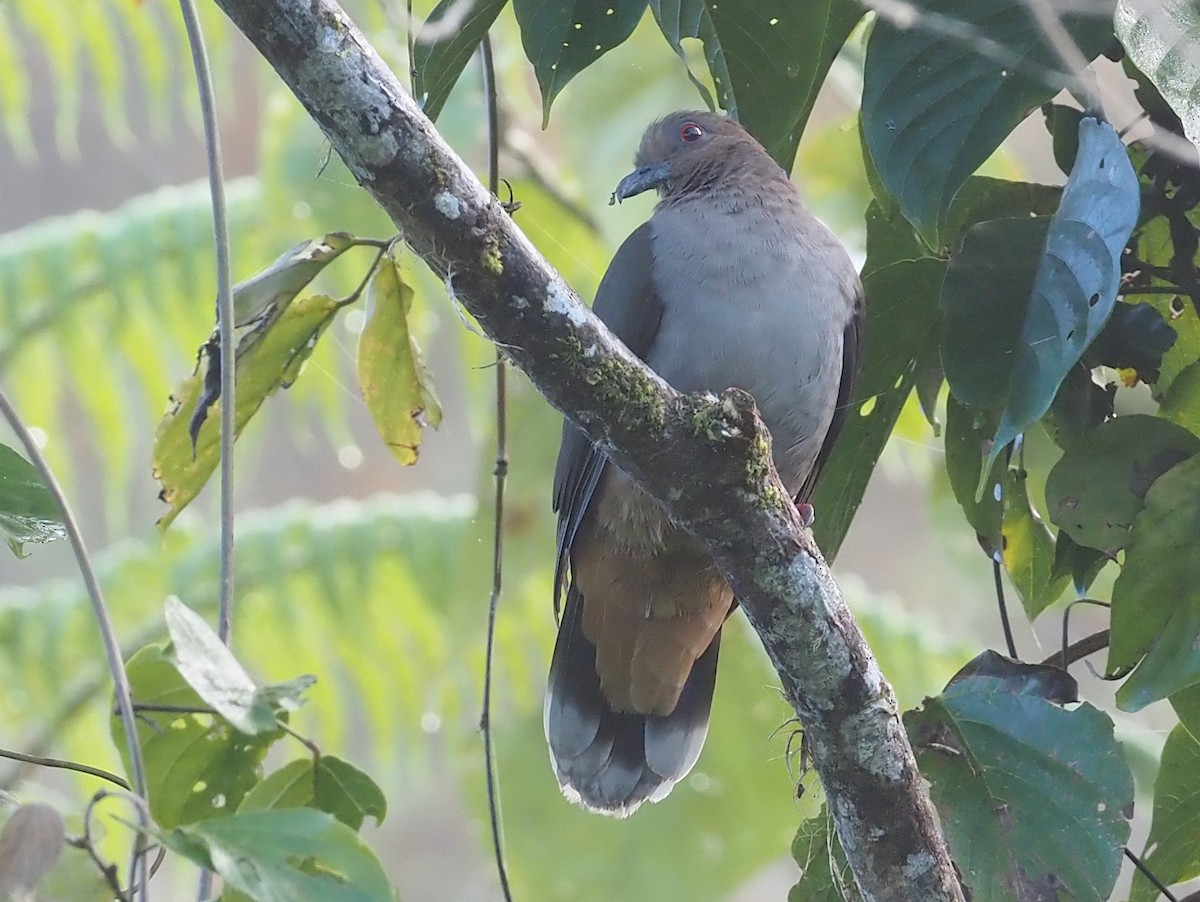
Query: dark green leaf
x,y
564,37
1162,37
289,855
1022,678
966,442
768,58
1077,278
395,382
1063,124
1186,703
1135,337
444,45
1028,548
1031,795
901,312
1173,848
211,669
826,875
268,359
1080,405
984,298
197,765
327,783
1078,563
28,512
938,101
1099,485
1156,598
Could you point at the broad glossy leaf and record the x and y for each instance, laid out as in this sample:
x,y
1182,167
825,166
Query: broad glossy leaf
x,y
286,855
1172,850
444,45
1031,795
1099,485
395,382
1028,548
210,668
901,313
327,783
1156,598
1162,37
966,442
1076,282
938,101
564,37
27,509
197,765
267,361
768,58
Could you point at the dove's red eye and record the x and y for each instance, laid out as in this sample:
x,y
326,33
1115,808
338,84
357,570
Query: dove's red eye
x,y
690,132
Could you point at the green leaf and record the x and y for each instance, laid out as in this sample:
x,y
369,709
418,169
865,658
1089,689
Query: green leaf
x,y
984,298
967,438
1186,703
289,855
564,37
1080,405
197,765
1031,795
1099,485
444,46
1135,337
267,359
1078,563
826,875
327,783
211,669
1162,37
901,305
1172,850
767,58
394,380
273,288
1077,277
938,101
1156,598
1028,548
1181,402
28,512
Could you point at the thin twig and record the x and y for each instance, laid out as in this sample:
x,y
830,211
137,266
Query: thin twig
x,y
1149,875
501,475
84,842
313,748
412,49
63,764
225,315
1078,650
1004,623
108,633
1065,657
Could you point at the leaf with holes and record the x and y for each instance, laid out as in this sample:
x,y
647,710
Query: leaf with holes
x,y
1028,548
1156,598
197,765
327,783
393,377
444,45
1099,485
564,37
902,305
1077,277
287,855
268,359
1162,37
28,512
1172,850
940,95
767,58
1031,795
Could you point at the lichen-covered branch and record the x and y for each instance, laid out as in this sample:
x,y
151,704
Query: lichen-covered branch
x,y
706,459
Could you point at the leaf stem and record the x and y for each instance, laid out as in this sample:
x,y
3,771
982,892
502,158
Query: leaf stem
x,y
63,764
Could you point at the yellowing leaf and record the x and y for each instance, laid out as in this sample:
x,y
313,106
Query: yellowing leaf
x,y
394,380
266,361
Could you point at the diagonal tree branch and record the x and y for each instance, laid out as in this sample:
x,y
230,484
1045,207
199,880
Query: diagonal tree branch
x,y
707,460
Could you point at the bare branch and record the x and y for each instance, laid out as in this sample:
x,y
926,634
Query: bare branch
x,y
706,459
